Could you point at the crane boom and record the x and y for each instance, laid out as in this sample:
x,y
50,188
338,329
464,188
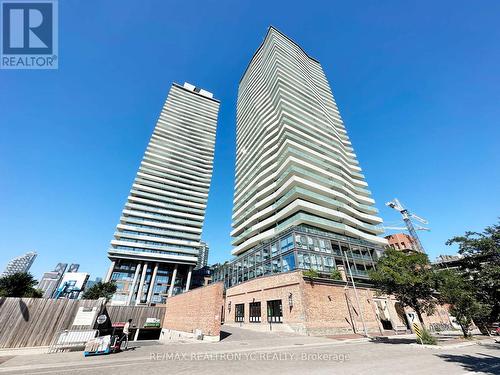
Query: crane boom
x,y
396,205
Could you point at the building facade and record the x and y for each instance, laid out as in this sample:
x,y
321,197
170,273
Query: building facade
x,y
202,256
291,302
300,198
402,242
156,243
19,264
50,281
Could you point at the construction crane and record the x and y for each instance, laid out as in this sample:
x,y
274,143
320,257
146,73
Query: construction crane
x,y
407,216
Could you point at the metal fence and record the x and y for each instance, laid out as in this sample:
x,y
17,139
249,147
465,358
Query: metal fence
x,y
71,340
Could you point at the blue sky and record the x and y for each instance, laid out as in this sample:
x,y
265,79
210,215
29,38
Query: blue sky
x,y
417,84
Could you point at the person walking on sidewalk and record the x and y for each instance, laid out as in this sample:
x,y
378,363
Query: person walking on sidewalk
x,y
126,333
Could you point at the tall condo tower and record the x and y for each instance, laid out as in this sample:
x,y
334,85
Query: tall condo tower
x,y
156,243
19,264
298,187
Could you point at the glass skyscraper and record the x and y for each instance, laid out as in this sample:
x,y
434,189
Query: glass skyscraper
x,y
157,241
301,200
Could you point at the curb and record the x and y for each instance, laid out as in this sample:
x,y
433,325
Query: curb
x,y
453,346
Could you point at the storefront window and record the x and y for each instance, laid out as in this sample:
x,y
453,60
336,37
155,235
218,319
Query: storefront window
x,y
274,311
254,316
239,312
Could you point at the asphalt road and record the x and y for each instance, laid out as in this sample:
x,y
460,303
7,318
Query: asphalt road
x,y
244,352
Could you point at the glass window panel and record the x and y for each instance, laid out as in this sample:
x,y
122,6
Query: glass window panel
x,y
259,271
274,249
300,260
288,262
267,268
265,253
276,265
286,243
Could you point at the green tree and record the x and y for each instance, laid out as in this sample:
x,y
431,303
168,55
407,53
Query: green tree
x,y
100,290
481,265
460,294
408,277
20,284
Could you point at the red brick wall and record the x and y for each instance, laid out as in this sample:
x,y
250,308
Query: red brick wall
x,y
265,289
332,309
319,307
197,309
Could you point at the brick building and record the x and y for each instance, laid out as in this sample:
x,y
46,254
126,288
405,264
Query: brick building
x,y
402,242
291,302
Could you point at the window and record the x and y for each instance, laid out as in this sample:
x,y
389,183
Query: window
x,y
336,248
274,311
286,243
259,271
267,268
274,249
265,253
328,263
254,316
310,243
288,262
276,265
239,312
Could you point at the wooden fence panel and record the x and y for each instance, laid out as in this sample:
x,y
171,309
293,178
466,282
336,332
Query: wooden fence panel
x,y
26,322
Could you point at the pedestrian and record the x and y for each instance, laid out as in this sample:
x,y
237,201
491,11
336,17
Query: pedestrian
x,y
126,332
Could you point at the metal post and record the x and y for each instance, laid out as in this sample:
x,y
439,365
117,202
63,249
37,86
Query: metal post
x,y
152,284
188,281
134,283
110,271
356,294
141,284
174,275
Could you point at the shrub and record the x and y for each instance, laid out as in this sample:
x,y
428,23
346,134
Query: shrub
x,y
335,275
311,273
427,338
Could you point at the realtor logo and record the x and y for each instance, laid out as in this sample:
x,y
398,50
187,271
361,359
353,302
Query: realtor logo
x,y
29,34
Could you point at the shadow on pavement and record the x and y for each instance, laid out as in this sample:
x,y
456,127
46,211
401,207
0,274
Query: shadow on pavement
x,y
486,364
393,341
224,334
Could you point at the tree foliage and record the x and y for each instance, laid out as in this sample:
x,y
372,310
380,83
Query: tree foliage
x,y
20,284
409,278
481,267
457,291
100,290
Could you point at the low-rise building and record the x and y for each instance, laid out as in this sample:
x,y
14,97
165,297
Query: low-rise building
x,y
402,242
